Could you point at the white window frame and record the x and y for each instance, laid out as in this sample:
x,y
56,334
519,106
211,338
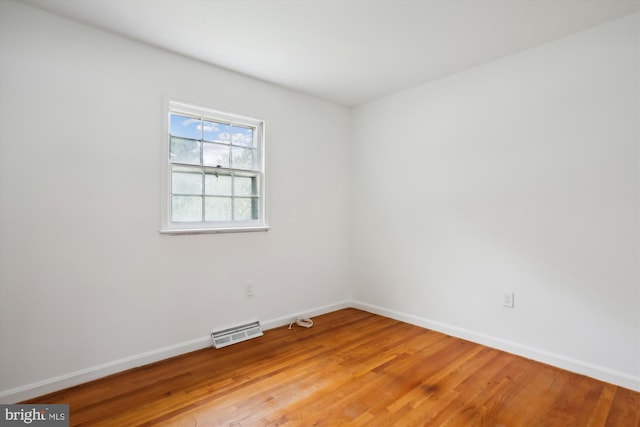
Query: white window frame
x,y
201,227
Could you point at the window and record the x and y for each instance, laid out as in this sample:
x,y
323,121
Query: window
x,y
214,172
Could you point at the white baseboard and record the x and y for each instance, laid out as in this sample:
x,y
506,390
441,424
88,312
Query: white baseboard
x,y
578,366
84,375
71,379
317,311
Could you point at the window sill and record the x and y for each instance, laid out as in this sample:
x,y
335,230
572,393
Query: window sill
x,y
213,230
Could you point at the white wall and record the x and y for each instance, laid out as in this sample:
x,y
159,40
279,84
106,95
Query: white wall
x,y
87,283
520,175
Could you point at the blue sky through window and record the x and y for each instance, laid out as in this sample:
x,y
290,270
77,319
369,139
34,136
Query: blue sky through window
x,y
186,127
242,136
216,132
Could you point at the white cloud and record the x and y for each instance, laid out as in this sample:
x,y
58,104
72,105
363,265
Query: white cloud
x,y
211,127
188,122
240,138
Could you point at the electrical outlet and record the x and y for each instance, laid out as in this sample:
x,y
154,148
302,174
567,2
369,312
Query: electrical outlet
x,y
248,289
507,299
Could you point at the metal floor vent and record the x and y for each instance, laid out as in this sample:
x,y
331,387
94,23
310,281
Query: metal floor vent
x,y
236,334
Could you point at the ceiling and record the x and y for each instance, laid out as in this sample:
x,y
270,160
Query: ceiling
x,y
346,51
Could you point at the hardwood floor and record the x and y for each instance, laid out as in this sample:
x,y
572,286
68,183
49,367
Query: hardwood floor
x,y
352,368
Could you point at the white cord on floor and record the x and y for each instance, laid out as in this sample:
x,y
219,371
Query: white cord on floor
x,y
305,323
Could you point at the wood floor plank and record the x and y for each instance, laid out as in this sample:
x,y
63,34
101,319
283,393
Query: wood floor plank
x,y
544,378
352,368
598,416
624,409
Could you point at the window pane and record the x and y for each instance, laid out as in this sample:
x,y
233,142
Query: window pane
x,y
215,171
215,155
217,185
185,151
186,127
217,209
245,209
186,183
242,136
216,132
244,186
186,209
242,158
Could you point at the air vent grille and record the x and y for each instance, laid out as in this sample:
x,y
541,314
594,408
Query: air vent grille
x,y
236,334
